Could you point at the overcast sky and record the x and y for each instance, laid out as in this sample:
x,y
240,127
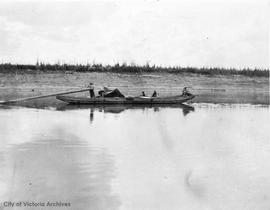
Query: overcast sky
x,y
222,33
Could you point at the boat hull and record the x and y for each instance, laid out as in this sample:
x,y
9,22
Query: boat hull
x,y
127,100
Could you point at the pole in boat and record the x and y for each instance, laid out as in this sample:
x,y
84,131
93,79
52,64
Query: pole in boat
x,y
43,96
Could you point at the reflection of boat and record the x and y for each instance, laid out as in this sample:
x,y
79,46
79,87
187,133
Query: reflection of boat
x,y
115,108
126,100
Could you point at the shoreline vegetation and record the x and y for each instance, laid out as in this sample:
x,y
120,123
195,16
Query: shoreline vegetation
x,y
125,68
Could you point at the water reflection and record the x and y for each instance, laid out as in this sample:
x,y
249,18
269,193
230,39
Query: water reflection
x,y
138,158
91,115
62,168
117,109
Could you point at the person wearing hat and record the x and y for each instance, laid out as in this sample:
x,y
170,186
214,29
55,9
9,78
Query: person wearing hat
x,y
91,90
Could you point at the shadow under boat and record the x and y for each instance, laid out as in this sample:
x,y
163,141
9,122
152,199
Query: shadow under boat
x,y
116,109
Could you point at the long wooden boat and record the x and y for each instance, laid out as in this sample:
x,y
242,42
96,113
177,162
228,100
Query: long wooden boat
x,y
126,100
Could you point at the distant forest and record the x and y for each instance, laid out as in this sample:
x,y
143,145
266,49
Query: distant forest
x,y
124,68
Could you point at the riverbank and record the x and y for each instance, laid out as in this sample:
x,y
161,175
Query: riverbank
x,y
207,88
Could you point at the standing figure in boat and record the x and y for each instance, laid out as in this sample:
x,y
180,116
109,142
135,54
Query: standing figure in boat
x,y
91,91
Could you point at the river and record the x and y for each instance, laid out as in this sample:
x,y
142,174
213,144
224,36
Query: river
x,y
204,156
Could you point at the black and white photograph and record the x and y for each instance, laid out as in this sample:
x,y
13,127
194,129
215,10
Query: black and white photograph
x,y
134,105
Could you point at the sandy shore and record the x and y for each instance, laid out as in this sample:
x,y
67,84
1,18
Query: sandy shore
x,y
209,89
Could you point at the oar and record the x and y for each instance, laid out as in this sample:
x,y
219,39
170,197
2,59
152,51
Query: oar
x,y
42,96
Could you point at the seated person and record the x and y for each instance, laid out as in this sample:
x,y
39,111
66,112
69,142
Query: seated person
x,y
101,93
154,94
185,92
143,94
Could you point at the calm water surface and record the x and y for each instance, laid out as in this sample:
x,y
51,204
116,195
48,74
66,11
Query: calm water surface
x,y
206,157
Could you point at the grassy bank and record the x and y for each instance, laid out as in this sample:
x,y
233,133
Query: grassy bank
x,y
119,68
